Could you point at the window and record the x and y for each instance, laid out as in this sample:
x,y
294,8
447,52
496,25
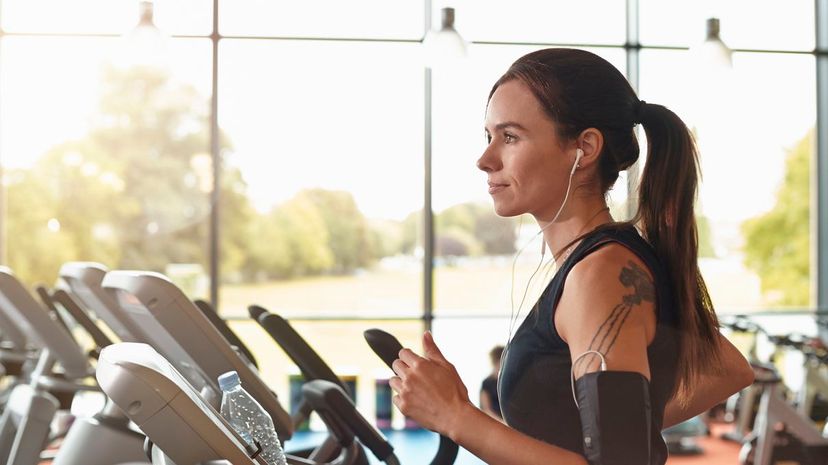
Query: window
x,y
755,197
369,19
327,138
102,162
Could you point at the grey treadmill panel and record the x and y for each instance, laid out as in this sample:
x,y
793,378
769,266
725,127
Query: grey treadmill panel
x,y
166,407
84,281
13,335
19,305
184,336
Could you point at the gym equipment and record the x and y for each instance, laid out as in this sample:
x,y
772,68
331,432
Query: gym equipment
x,y
181,426
680,438
310,365
799,441
25,424
83,281
63,369
742,406
65,300
180,332
166,407
780,432
225,330
387,347
323,383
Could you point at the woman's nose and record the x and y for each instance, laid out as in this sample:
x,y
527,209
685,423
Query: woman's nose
x,y
486,162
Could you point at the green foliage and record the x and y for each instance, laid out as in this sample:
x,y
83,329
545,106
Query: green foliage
x,y
386,237
463,229
412,227
777,243
705,237
474,229
349,238
133,192
303,227
457,242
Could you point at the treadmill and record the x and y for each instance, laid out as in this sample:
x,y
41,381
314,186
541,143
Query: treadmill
x,y
64,369
179,331
167,408
189,431
83,281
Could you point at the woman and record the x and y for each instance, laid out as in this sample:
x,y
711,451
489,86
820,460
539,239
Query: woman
x,y
627,314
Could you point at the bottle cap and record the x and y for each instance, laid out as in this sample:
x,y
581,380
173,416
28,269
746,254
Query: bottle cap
x,y
228,380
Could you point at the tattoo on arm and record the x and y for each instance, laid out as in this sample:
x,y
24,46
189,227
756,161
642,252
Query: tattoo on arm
x,y
632,276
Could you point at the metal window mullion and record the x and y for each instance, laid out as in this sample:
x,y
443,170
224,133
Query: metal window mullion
x,y
3,191
821,174
633,49
215,154
428,213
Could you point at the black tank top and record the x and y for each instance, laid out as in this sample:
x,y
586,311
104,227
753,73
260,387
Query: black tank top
x,y
534,384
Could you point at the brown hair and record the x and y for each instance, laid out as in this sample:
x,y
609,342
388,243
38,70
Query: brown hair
x,y
496,354
580,90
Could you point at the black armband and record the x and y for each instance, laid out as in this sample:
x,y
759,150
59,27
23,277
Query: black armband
x,y
615,417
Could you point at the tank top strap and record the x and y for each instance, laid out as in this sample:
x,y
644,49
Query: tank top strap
x,y
628,237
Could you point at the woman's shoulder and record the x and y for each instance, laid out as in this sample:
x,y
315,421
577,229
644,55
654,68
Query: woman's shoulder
x,y
613,245
608,278
611,264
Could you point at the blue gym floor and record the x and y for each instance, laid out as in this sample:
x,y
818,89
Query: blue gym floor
x,y
412,447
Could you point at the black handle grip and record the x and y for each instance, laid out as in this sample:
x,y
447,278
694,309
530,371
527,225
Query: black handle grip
x,y
225,330
383,344
388,348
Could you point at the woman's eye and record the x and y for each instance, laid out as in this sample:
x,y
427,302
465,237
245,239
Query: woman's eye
x,y
509,138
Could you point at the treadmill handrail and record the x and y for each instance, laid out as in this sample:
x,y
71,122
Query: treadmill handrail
x,y
309,362
83,280
341,415
43,293
224,329
18,302
81,317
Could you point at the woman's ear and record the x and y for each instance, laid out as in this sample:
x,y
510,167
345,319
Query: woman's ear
x,y
591,141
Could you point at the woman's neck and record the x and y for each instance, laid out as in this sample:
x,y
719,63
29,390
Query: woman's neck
x,y
582,216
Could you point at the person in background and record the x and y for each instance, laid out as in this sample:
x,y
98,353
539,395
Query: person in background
x,y
489,401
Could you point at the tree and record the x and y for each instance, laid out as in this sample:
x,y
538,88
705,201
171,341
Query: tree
x,y
134,191
490,233
301,224
777,243
349,238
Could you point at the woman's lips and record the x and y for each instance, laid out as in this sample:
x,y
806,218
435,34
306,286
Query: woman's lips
x,y
494,188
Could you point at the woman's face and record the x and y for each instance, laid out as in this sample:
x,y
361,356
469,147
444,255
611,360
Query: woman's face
x,y
527,164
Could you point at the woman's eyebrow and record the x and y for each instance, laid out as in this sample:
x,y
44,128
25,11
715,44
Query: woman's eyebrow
x,y
508,124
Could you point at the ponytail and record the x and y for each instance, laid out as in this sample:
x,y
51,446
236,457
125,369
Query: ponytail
x,y
666,217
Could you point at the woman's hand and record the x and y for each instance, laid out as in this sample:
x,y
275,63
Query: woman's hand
x,y
428,388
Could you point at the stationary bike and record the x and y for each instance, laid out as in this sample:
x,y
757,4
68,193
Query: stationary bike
x,y
781,433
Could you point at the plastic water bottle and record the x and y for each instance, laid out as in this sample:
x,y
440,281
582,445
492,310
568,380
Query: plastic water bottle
x,y
249,419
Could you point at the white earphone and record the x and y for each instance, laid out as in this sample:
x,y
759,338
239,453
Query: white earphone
x,y
578,154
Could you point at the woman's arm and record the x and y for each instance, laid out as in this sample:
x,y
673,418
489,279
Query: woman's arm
x,y
430,391
713,388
